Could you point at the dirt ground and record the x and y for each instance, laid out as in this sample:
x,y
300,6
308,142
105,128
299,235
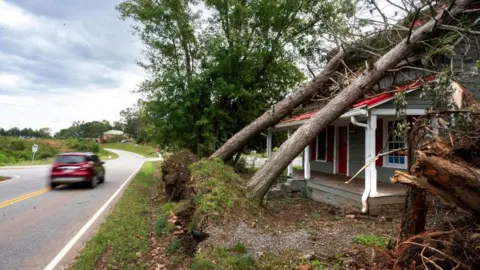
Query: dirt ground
x,y
299,230
314,229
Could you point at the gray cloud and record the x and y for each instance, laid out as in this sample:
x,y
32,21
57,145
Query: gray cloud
x,y
53,50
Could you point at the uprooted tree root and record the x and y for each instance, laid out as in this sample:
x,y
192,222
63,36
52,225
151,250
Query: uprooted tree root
x,y
176,175
198,193
456,248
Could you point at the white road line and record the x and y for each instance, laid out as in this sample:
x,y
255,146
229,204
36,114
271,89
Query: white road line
x,y
87,225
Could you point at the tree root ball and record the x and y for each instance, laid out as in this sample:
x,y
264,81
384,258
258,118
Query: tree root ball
x,y
176,175
453,249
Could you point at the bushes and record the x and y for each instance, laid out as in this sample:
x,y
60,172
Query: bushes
x,y
83,145
15,150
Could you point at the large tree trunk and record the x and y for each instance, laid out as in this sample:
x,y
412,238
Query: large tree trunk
x,y
414,214
279,110
261,182
453,181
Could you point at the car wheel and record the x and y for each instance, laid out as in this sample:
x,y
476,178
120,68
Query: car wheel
x,y
93,183
102,179
53,185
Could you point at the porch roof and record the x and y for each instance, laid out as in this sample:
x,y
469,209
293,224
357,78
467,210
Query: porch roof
x,y
370,102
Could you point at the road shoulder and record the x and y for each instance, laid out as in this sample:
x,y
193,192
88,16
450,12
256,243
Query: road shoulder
x,y
114,243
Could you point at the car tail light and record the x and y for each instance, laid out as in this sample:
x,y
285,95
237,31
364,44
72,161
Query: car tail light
x,y
87,166
55,167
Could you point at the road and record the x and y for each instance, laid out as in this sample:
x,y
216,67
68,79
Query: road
x,y
36,223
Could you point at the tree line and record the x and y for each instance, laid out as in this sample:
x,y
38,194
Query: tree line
x,y
26,132
130,123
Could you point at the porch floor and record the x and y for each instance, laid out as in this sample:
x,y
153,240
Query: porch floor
x,y
356,186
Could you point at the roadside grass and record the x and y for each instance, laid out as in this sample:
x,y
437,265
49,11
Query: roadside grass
x,y
144,150
104,154
124,237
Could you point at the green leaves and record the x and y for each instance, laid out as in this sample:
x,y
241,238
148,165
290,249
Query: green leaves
x,y
215,65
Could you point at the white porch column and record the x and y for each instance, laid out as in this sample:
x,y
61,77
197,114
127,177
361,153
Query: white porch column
x,y
269,145
290,166
306,163
370,143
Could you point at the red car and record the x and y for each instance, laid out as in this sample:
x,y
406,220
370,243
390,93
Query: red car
x,y
70,168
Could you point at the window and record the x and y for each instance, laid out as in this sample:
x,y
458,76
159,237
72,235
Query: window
x,y
70,159
394,160
322,146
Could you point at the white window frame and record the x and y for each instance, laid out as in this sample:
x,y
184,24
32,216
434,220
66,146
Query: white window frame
x,y
386,164
326,146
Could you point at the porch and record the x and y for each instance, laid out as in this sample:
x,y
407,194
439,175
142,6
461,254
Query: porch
x,y
333,189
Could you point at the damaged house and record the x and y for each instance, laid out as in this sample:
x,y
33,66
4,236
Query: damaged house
x,y
359,147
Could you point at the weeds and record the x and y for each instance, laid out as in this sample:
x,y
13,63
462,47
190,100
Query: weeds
x,y
224,258
174,246
370,240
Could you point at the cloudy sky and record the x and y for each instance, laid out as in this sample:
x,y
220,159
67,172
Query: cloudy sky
x,y
63,61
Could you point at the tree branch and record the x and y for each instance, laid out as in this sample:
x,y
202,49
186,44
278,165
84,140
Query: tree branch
x,y
460,29
411,26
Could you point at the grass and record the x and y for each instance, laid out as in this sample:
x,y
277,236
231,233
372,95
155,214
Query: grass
x,y
124,236
104,154
224,258
174,246
218,188
238,258
144,150
370,240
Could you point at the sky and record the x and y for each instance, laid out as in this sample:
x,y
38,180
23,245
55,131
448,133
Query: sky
x,y
65,60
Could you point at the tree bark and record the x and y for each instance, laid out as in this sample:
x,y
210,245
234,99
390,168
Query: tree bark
x,y
453,181
261,182
278,111
414,216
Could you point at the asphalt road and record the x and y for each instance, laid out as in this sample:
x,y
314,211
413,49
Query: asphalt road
x,y
36,227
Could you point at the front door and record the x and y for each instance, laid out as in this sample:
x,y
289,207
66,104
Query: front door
x,y
342,150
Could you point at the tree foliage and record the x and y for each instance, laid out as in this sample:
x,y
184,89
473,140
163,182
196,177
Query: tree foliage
x,y
27,132
133,122
215,65
80,129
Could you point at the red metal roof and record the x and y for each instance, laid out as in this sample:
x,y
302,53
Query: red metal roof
x,y
381,97
373,100
299,117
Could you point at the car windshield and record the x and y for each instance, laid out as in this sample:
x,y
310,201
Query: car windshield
x,y
70,159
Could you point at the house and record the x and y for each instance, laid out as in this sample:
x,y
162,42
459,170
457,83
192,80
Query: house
x,y
348,147
108,135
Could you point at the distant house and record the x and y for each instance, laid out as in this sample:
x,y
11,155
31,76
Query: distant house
x,y
364,130
108,135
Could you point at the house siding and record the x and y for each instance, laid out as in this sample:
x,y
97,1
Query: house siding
x,y
326,167
413,101
465,64
356,158
356,150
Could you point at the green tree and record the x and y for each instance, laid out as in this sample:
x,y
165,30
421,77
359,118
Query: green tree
x,y
212,75
79,129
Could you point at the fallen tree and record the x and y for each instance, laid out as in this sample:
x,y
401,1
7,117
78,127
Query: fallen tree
x,y
279,110
449,166
261,182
